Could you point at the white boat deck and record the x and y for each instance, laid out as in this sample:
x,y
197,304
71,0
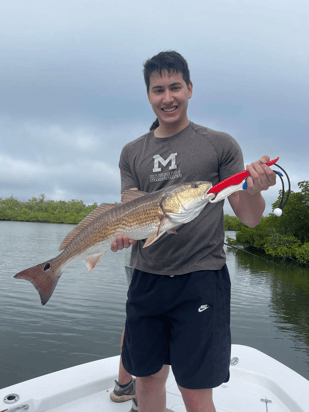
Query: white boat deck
x,y
258,384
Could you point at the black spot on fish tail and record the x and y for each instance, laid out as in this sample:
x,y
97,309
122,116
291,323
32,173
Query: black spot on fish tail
x,y
43,277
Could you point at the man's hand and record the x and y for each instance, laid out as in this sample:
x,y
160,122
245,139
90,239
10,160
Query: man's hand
x,y
122,241
261,176
249,205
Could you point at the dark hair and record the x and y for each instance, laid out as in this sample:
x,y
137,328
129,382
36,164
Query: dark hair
x,y
154,125
168,60
171,61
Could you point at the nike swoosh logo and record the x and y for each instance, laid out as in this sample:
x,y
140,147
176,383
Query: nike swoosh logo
x,y
203,307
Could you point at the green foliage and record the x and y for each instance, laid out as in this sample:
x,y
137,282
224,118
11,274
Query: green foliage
x,y
254,238
282,246
295,219
42,210
284,237
232,223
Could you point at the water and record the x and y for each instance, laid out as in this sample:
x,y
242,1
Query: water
x,y
85,317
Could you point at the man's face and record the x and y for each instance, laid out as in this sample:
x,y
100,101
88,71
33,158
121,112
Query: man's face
x,y
169,95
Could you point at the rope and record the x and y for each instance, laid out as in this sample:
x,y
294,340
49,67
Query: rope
x,y
252,254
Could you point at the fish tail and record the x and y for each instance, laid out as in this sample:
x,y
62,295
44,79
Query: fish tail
x,y
44,277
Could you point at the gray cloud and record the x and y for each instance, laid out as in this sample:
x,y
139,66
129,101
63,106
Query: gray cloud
x,y
72,91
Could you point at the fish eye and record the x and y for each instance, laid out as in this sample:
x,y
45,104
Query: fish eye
x,y
195,186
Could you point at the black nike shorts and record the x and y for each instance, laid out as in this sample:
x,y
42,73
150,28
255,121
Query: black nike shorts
x,y
182,321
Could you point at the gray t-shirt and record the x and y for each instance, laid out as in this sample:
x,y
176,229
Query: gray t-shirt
x,y
194,154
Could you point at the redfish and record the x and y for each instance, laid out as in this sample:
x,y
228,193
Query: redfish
x,y
140,216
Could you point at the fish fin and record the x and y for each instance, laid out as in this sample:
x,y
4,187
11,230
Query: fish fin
x,y
159,233
91,261
153,239
132,194
104,207
43,277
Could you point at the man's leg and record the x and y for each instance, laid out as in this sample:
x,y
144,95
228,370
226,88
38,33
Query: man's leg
x,y
151,392
123,376
200,348
198,400
125,386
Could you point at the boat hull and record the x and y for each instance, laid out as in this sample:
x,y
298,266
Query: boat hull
x,y
256,380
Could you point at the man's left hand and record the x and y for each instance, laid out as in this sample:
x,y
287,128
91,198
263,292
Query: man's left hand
x,y
261,176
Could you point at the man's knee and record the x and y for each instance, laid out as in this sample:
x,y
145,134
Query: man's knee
x,y
157,379
197,399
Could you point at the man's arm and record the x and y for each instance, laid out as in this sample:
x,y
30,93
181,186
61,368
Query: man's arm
x,y
249,205
122,241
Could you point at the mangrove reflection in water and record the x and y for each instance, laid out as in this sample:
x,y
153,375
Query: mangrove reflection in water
x,y
84,318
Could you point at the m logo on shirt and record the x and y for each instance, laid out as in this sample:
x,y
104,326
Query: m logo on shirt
x,y
166,175
158,158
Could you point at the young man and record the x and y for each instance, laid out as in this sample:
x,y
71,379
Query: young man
x,y
178,308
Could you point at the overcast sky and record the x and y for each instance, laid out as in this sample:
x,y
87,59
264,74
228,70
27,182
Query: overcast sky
x,y
72,91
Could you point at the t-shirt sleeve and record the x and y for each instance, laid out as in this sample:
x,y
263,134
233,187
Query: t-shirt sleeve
x,y
232,160
126,175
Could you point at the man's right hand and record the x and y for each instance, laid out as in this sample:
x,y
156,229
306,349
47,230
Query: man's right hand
x,y
122,241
